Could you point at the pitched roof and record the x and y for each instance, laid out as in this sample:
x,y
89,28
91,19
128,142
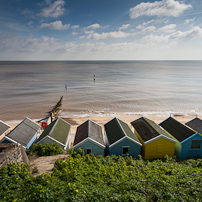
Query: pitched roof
x,y
117,129
147,129
3,127
58,130
177,129
24,131
195,124
89,129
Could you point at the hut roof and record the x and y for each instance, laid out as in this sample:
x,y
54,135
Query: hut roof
x,y
195,124
177,129
3,127
58,130
89,129
117,129
24,131
147,129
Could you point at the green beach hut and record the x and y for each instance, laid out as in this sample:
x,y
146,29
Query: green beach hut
x,y
56,132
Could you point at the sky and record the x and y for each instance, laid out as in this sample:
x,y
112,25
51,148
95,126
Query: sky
x,y
100,30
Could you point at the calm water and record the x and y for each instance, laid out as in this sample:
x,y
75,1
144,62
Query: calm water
x,y
30,89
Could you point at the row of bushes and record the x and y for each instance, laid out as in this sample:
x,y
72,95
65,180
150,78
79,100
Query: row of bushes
x,y
83,178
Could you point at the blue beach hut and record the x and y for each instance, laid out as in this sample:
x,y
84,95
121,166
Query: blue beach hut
x,y
25,133
189,142
89,137
121,140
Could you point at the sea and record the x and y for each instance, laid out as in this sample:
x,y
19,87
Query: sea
x,y
100,88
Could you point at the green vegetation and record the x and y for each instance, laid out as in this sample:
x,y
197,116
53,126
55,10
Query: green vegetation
x,y
35,170
112,178
46,150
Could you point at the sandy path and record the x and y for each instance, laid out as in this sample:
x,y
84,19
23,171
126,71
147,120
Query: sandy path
x,y
45,163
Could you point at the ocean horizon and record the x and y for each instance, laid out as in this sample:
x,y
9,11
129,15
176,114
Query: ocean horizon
x,y
100,88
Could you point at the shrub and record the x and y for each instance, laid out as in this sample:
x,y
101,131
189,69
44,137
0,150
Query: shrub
x,y
35,170
46,150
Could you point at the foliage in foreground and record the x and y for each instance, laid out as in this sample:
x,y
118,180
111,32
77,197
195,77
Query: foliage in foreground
x,y
45,150
111,178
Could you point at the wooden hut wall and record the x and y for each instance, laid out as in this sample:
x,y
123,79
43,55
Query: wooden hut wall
x,y
95,149
188,151
133,149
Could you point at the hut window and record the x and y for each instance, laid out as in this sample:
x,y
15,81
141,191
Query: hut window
x,y
125,150
196,144
88,151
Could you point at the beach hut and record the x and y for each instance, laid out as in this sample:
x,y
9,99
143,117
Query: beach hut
x,y
195,124
89,137
156,143
4,128
189,142
57,131
25,133
120,139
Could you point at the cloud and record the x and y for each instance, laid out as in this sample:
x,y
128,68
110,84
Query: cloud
x,y
89,32
14,47
187,21
30,23
195,32
155,38
125,26
75,26
55,25
48,1
142,26
169,8
54,10
27,45
74,33
108,35
93,26
82,37
148,29
27,12
167,28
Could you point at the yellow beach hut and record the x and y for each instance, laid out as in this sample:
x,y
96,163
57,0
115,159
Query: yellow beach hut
x,y
156,143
